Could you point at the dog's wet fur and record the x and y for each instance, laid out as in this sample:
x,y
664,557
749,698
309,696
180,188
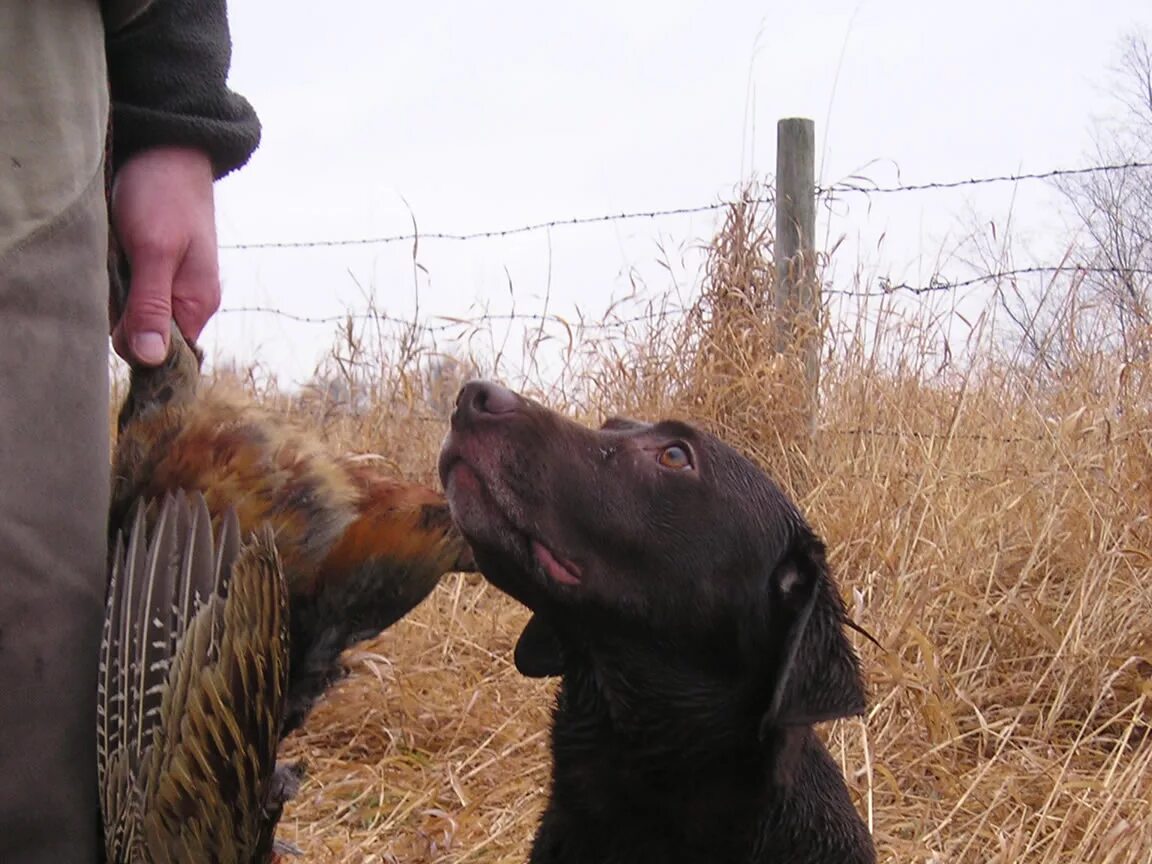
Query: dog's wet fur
x,y
689,609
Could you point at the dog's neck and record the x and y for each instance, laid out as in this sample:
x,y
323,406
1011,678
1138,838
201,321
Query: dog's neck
x,y
640,744
683,713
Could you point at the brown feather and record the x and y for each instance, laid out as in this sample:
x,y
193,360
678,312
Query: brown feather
x,y
194,672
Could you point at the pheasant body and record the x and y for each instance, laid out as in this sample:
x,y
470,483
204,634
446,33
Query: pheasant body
x,y
359,549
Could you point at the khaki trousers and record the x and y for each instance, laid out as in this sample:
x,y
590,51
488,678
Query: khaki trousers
x,y
54,427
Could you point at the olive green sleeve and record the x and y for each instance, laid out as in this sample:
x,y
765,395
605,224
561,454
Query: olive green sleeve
x,y
168,71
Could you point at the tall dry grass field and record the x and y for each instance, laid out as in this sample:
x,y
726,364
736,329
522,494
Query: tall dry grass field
x,y
987,521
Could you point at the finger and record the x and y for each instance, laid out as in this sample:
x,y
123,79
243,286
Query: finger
x,y
196,289
145,325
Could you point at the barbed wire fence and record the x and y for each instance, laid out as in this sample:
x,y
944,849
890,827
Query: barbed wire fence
x,y
883,286
797,286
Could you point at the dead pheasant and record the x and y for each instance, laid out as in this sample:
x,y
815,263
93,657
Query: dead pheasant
x,y
359,549
191,691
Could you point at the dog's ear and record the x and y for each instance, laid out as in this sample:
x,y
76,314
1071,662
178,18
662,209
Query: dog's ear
x,y
539,652
817,674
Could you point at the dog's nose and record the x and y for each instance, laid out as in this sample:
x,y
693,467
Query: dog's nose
x,y
485,397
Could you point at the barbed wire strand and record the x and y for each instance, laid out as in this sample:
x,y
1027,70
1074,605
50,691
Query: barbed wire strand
x,y
938,283
834,189
452,322
480,235
1001,178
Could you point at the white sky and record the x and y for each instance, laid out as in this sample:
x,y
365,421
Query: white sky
x,y
492,115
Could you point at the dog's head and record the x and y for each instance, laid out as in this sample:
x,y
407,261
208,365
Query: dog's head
x,y
656,532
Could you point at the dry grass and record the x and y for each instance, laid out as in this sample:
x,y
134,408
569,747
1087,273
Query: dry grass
x,y
988,523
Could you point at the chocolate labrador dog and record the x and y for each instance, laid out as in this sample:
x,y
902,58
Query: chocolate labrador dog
x,y
690,612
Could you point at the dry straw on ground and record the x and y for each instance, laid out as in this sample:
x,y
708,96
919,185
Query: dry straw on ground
x,y
989,524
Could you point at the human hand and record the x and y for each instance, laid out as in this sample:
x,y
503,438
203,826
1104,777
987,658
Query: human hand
x,y
164,216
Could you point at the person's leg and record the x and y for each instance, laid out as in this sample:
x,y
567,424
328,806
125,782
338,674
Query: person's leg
x,y
54,425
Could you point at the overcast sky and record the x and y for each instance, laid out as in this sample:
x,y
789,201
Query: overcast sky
x,y
474,116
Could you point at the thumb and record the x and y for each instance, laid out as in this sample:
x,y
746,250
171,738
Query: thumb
x,y
145,326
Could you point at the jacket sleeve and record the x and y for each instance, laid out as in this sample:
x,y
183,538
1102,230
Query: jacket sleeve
x,y
167,73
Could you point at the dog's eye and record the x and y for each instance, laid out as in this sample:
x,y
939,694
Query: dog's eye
x,y
675,457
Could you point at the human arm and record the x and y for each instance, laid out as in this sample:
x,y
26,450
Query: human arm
x,y
176,128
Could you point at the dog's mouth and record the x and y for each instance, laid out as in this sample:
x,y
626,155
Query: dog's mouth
x,y
560,569
488,513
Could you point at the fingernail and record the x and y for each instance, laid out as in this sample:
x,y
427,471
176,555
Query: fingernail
x,y
149,347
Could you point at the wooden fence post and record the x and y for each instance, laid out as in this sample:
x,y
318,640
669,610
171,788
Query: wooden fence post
x,y
797,300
